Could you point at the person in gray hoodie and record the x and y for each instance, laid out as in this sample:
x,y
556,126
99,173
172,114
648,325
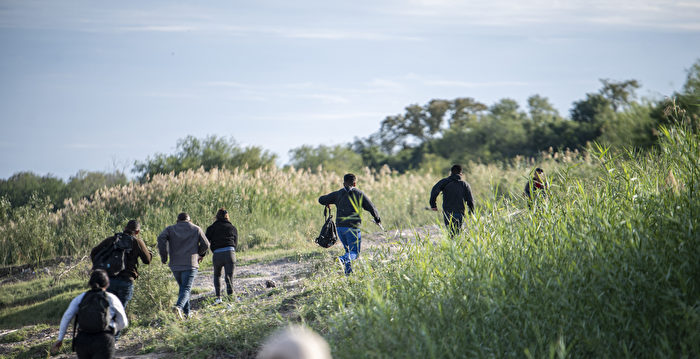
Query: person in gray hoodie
x,y
187,245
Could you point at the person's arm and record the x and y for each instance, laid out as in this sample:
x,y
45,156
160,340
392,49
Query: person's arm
x,y
328,199
119,318
527,190
202,244
68,315
163,245
469,198
144,253
434,193
234,232
65,320
369,207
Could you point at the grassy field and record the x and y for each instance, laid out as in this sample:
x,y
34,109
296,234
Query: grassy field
x,y
606,266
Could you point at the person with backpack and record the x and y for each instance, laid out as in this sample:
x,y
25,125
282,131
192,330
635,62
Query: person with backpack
x,y
349,202
455,193
98,315
223,237
186,244
121,282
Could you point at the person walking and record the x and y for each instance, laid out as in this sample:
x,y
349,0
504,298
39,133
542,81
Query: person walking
x,y
187,245
100,314
122,284
536,186
223,237
349,202
455,193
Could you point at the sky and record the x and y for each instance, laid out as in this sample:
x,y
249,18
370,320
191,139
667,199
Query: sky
x,y
97,85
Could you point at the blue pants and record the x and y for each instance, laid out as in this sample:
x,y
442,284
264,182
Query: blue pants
x,y
351,239
124,290
184,279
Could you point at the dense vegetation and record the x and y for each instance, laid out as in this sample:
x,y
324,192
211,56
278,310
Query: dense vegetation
x,y
605,266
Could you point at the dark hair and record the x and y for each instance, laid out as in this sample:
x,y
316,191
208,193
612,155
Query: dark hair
x,y
349,178
98,279
456,169
183,216
132,227
539,170
222,213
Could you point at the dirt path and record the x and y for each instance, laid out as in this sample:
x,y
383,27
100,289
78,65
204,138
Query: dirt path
x,y
255,278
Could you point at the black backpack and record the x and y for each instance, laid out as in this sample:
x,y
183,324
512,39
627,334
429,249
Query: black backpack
x,y
112,258
329,233
93,312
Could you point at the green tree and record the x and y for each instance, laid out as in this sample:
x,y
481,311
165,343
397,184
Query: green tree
x,y
338,158
85,183
208,153
19,188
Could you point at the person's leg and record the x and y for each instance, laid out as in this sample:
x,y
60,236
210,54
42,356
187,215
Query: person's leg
x,y
228,271
103,346
218,260
81,346
123,289
185,282
344,239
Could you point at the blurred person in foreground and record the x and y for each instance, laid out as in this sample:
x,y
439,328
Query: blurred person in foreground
x,y
349,202
223,237
186,245
295,342
455,194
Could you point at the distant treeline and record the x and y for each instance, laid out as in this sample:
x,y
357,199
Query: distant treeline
x,y
431,136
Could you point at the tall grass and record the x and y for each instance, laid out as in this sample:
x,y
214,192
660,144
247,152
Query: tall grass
x,y
603,267
274,207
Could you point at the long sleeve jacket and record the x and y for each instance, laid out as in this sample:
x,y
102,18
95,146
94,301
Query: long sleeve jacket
x,y
118,319
455,193
349,201
222,234
184,242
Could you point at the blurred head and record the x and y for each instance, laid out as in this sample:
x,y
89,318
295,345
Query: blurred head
x,y
295,342
222,214
456,170
349,180
183,217
539,174
132,227
98,279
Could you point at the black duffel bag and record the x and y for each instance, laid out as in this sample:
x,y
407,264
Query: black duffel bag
x,y
329,233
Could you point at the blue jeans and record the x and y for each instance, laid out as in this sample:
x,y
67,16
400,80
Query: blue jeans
x,y
124,290
351,239
184,279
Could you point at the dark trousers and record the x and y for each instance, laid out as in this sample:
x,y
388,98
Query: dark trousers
x,y
226,261
453,222
94,346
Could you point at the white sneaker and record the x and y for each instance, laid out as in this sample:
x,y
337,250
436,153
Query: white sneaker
x,y
217,301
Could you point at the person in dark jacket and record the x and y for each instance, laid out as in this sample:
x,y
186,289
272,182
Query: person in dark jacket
x,y
223,239
455,193
535,186
349,202
186,244
122,285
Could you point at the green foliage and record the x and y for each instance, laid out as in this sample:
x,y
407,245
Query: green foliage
x,y
605,267
338,158
208,153
21,186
